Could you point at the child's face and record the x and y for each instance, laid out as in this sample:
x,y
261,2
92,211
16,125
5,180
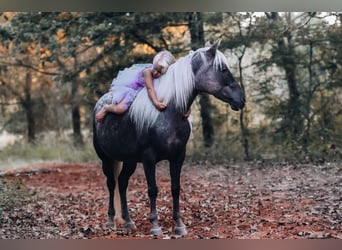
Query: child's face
x,y
157,72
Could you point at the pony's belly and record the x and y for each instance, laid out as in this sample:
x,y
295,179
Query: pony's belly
x,y
122,151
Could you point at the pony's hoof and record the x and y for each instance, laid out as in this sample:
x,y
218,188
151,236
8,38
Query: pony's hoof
x,y
130,225
110,223
181,231
156,231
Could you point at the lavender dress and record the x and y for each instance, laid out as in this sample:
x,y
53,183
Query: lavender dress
x,y
128,83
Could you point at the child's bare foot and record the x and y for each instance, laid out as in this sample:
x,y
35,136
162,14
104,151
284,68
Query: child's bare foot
x,y
100,115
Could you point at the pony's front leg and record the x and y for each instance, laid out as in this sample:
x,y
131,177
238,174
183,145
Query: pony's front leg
x,y
175,171
150,174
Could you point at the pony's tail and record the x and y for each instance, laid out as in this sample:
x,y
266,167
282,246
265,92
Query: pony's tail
x,y
117,200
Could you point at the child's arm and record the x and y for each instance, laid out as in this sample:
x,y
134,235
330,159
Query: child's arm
x,y
150,90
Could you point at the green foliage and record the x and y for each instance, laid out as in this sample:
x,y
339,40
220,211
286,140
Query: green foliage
x,y
292,73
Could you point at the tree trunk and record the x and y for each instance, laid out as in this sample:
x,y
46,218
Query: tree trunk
x,y
243,117
28,106
75,112
197,41
293,122
308,116
207,126
243,126
294,118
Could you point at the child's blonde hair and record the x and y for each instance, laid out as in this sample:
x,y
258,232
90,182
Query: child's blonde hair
x,y
163,59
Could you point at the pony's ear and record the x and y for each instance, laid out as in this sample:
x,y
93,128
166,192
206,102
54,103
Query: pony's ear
x,y
207,44
212,50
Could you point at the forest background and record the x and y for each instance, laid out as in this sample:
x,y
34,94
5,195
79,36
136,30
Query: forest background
x,y
54,67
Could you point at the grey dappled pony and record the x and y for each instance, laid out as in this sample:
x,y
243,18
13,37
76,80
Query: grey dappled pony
x,y
144,134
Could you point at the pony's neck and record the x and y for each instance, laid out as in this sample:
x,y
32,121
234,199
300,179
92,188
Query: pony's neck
x,y
192,99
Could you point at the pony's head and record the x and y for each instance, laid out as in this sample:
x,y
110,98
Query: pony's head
x,y
213,76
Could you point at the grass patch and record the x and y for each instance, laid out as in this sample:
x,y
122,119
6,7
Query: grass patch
x,y
47,148
59,152
62,152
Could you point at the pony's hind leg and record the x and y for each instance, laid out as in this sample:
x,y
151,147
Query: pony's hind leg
x,y
117,201
150,174
175,171
108,169
127,171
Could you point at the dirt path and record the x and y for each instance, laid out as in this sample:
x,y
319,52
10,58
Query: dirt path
x,y
221,201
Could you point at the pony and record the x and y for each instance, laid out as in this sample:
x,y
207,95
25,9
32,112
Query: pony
x,y
145,135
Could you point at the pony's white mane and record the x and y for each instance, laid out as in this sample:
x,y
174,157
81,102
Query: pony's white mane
x,y
172,88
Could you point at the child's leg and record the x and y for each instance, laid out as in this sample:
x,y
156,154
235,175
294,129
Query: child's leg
x,y
110,107
119,108
102,113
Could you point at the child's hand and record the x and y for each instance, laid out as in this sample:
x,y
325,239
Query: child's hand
x,y
187,114
159,105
